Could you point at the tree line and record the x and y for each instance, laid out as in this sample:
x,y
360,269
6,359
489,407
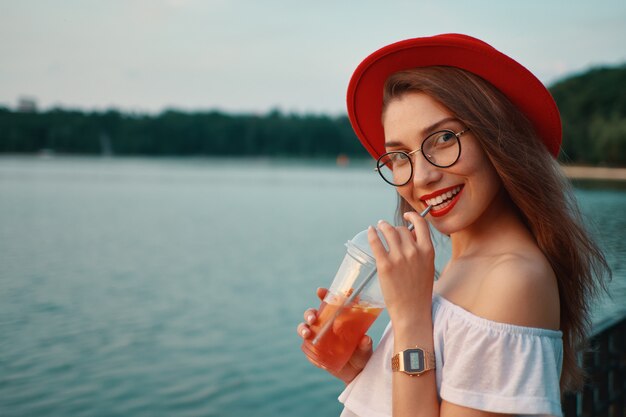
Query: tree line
x,y
593,113
177,133
592,105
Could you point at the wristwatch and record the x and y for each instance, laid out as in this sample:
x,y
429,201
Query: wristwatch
x,y
413,362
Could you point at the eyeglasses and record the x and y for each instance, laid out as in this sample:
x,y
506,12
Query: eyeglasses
x,y
442,149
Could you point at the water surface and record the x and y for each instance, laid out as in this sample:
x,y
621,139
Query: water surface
x,y
159,287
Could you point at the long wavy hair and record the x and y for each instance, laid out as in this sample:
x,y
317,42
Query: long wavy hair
x,y
532,178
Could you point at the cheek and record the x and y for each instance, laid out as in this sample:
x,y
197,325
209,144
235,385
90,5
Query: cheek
x,y
489,182
405,191
482,176
478,165
489,174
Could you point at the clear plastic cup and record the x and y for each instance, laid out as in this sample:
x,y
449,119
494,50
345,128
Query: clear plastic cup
x,y
334,348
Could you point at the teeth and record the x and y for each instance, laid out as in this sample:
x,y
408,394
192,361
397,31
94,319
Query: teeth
x,y
443,197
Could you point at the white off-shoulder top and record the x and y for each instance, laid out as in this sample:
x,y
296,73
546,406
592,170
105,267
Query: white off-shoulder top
x,y
481,364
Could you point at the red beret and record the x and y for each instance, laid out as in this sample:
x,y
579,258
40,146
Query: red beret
x,y
523,89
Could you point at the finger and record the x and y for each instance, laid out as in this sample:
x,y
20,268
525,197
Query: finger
x,y
321,293
365,344
390,234
304,331
310,315
406,236
378,249
362,354
421,231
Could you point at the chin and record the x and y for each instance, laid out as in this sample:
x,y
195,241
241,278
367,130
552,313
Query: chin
x,y
444,229
450,223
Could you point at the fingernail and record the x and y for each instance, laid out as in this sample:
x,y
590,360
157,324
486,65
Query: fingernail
x,y
381,221
304,332
310,318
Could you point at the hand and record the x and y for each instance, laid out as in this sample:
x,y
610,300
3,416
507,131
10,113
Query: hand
x,y
359,358
406,271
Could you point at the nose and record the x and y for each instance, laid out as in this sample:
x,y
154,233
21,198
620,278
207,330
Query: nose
x,y
424,173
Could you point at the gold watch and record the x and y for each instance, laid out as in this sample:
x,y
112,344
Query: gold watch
x,y
413,362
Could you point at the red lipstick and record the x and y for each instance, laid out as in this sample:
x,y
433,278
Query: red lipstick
x,y
439,192
448,202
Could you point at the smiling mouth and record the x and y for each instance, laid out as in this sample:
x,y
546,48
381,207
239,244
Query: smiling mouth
x,y
444,199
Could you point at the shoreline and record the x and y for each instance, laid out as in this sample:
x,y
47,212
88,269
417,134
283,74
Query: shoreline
x,y
572,172
578,172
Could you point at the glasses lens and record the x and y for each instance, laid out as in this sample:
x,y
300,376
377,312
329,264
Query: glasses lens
x,y
442,148
395,168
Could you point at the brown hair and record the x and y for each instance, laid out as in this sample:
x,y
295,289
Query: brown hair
x,y
535,184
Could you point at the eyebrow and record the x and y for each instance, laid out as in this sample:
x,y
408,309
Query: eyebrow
x,y
426,131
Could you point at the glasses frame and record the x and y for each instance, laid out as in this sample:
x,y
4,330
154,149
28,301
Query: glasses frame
x,y
410,154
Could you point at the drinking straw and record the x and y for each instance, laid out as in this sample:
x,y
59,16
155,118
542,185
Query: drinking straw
x,y
355,293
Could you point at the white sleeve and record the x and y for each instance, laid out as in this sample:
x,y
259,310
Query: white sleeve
x,y
499,367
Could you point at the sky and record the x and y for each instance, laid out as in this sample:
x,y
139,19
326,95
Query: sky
x,y
246,56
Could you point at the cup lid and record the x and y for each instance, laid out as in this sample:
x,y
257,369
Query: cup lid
x,y
360,248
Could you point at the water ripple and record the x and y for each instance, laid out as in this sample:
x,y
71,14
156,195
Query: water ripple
x,y
147,288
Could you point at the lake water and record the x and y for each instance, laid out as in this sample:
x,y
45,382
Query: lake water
x,y
168,287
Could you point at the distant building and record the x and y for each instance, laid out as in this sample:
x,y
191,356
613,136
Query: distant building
x,y
27,105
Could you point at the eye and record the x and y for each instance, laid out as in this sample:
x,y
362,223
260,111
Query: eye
x,y
399,159
442,139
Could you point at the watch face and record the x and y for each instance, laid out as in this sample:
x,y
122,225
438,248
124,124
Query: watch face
x,y
414,360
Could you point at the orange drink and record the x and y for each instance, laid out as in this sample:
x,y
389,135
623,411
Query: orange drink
x,y
333,350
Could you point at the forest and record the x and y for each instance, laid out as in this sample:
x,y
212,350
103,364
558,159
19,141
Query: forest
x,y
592,105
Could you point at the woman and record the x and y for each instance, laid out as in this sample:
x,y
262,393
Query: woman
x,y
469,131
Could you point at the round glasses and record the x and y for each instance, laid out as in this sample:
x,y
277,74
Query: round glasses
x,y
442,149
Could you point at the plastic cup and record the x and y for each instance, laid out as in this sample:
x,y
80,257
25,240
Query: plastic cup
x,y
335,347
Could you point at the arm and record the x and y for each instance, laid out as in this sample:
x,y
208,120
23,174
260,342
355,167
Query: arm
x,y
406,274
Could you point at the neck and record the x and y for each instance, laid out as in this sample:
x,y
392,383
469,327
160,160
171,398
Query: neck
x,y
491,232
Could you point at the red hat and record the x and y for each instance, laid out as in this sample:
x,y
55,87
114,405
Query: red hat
x,y
523,89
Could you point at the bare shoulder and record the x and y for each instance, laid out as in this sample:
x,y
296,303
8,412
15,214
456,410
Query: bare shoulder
x,y
519,289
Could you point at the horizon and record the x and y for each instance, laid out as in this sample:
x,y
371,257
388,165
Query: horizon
x,y
24,100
